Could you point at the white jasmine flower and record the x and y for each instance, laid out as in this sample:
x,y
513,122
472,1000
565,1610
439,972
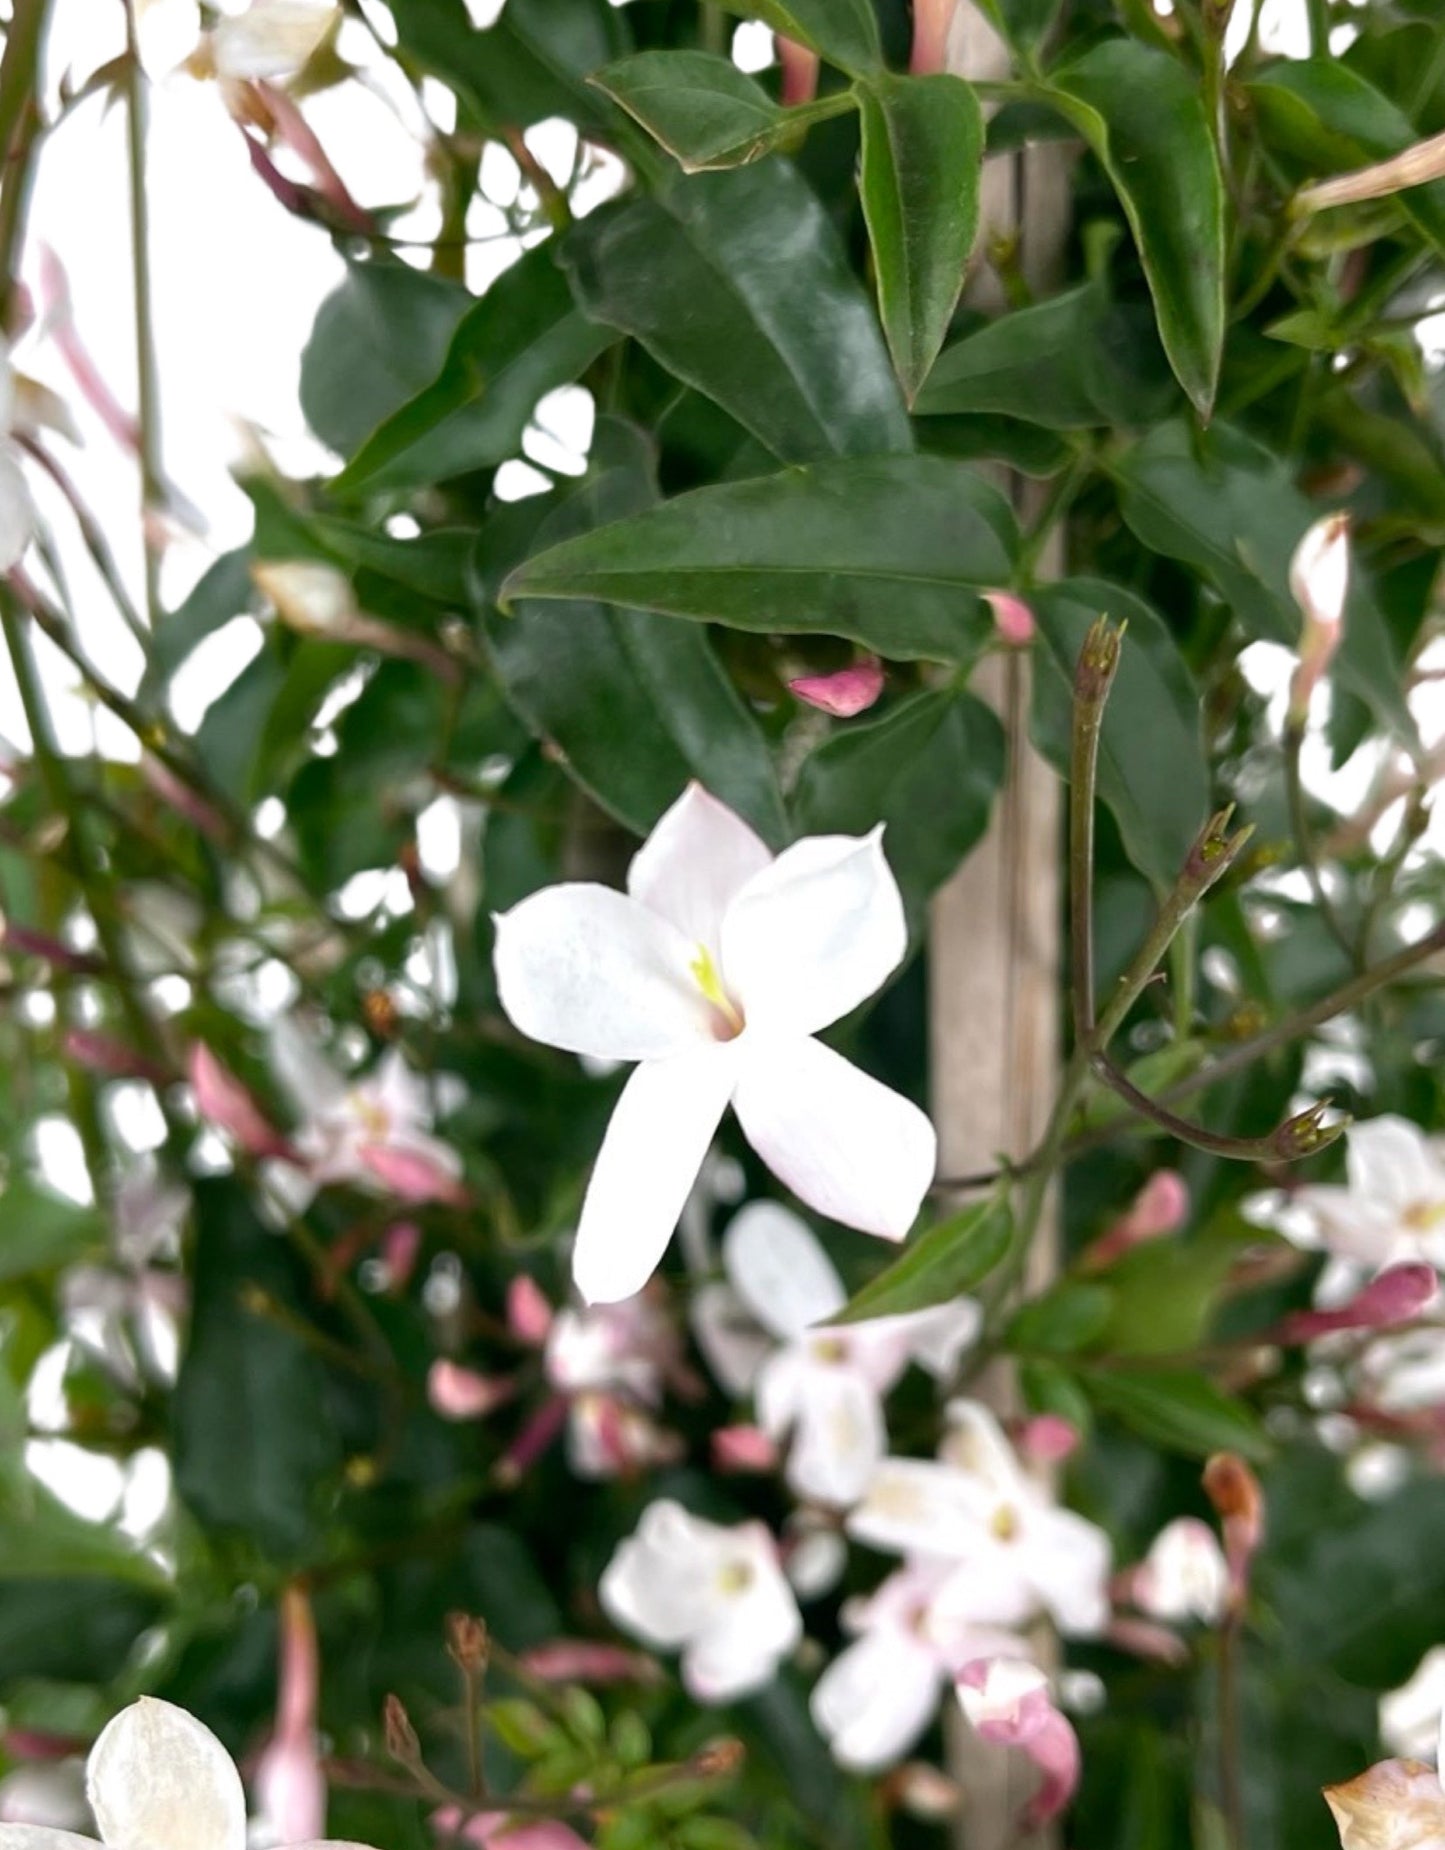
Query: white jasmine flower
x,y
716,1594
714,971
1184,1575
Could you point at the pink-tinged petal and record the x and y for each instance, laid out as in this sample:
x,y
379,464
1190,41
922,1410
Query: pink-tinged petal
x,y
800,71
744,1450
777,1266
158,1780
697,859
1396,1805
495,1830
1319,573
847,1146
222,1100
290,1789
1012,619
529,1315
655,1144
400,1249
580,1660
416,1172
814,934
591,971
458,1393
1397,1296
1391,1159
1048,1439
931,20
1008,1704
845,692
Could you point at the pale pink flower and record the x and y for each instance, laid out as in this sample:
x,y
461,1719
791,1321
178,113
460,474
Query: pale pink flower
x,y
1008,1703
717,1595
715,971
458,1393
845,692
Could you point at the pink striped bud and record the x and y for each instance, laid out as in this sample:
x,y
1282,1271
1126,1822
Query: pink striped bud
x,y
1319,580
458,1393
289,1783
529,1315
740,1449
503,1830
400,1248
1161,1207
844,693
931,20
223,1101
579,1660
800,72
1397,1296
89,381
415,1175
1156,1644
1048,1439
1012,618
1007,1702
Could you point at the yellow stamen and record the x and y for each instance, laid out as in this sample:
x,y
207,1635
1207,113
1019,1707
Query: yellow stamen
x,y
1005,1524
705,975
735,1578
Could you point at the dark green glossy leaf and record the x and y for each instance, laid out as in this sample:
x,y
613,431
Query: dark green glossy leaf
x,y
531,64
1334,120
922,161
939,1264
643,704
1179,1411
737,284
246,1462
1070,1317
929,768
521,340
844,31
1153,719
42,1539
378,340
1143,115
76,1630
704,110
1224,505
888,553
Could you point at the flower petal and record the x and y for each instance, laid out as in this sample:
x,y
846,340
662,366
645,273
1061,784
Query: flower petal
x,y
1395,1805
17,510
875,1699
1391,1161
694,863
160,1780
846,1145
41,1837
814,934
777,1266
839,1436
589,970
646,1167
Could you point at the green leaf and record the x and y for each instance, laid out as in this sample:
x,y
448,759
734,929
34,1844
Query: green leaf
x,y
40,1232
1143,115
80,1631
643,704
1226,506
922,162
1070,1317
704,110
845,32
41,1539
737,284
521,340
252,1442
1333,120
531,64
929,768
378,339
940,1264
1153,774
1181,1412
887,552
1024,23
1167,1292
222,592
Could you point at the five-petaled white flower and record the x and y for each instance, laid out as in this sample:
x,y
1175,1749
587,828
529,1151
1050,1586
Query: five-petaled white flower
x,y
823,1383
157,1779
715,970
1016,1553
271,39
716,1594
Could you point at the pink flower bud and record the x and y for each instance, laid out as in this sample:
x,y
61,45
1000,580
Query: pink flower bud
x,y
103,1053
740,1449
579,1660
400,1247
458,1393
931,20
289,1783
1007,1702
414,1175
1319,581
529,1315
1048,1439
60,325
800,72
1397,1296
1012,618
222,1100
1161,1207
505,1832
845,693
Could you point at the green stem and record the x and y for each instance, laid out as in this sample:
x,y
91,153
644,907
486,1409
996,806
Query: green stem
x,y
1094,673
1319,18
19,123
1300,1136
148,409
